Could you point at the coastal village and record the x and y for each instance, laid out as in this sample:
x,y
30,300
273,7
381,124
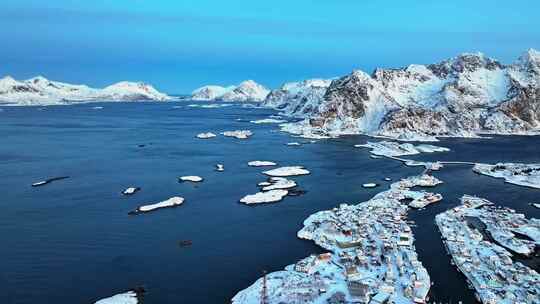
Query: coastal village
x,y
527,175
482,242
372,257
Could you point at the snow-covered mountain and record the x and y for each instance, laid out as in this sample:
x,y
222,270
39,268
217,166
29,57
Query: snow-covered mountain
x,y
247,91
210,92
462,96
298,98
41,91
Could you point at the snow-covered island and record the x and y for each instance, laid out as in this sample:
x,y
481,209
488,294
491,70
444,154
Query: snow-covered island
x,y
271,196
171,202
527,175
465,96
239,134
247,91
130,297
475,234
261,163
287,171
372,257
268,121
41,91
131,190
191,178
278,183
206,135
394,149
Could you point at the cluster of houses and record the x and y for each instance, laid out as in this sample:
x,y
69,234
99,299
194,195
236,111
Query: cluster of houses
x,y
373,247
491,269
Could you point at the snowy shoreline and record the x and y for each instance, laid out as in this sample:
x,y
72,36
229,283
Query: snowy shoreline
x,y
526,175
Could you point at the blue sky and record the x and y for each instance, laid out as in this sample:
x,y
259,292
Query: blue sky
x,y
180,45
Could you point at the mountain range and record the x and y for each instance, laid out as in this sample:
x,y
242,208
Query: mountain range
x,y
464,96
246,91
41,91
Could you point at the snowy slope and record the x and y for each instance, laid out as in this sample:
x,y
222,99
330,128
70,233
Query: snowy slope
x,y
41,91
210,92
462,96
297,98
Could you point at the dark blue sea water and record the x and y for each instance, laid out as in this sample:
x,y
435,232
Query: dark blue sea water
x,y
72,241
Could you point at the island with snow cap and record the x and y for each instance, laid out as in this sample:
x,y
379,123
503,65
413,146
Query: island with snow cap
x,y
247,91
41,91
171,202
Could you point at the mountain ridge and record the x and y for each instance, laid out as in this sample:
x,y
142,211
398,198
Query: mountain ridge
x,y
42,91
463,96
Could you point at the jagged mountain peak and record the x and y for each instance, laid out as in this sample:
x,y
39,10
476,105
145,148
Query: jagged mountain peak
x,y
530,60
249,83
37,79
465,62
247,90
532,55
7,79
359,74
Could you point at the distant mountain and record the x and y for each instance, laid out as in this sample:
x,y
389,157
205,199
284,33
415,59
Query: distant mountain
x,y
41,91
210,92
463,96
298,98
247,91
